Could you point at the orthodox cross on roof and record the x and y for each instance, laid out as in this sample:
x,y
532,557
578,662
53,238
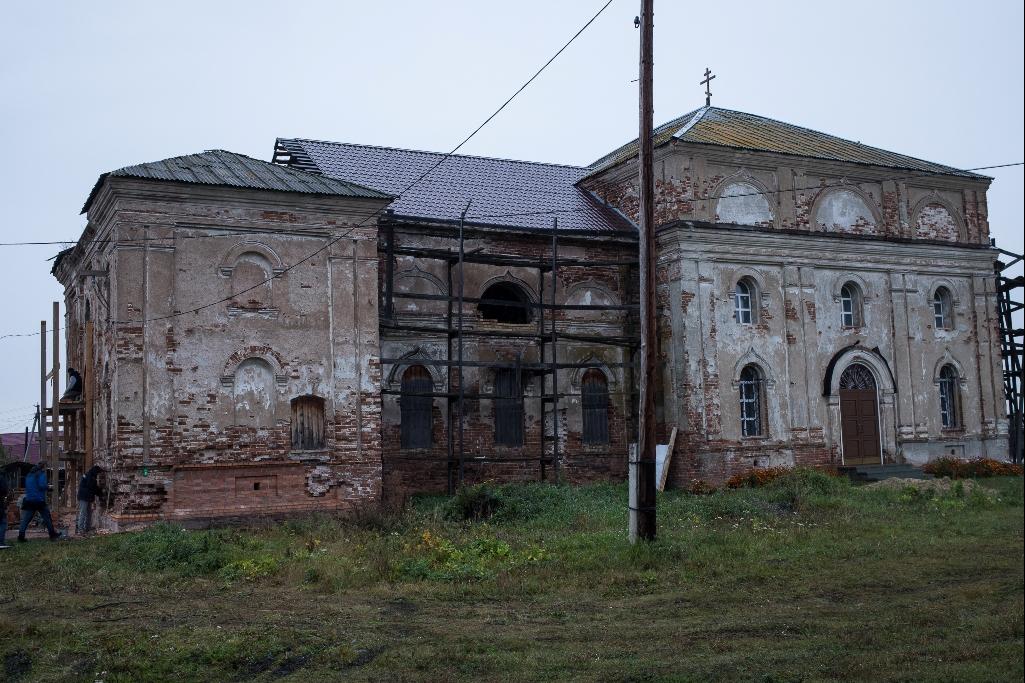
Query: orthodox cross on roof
x,y
708,84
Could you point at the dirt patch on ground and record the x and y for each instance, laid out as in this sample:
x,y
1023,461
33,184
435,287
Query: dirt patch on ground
x,y
939,487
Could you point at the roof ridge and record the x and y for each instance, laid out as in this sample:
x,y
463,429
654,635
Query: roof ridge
x,y
694,119
795,126
440,154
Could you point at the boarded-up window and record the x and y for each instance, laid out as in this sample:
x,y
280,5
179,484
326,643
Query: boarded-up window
x,y
508,408
307,423
416,419
594,400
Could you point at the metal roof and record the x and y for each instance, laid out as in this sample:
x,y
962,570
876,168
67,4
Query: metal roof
x,y
728,128
219,167
503,192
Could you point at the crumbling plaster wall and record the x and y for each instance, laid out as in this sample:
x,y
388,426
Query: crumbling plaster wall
x,y
703,183
199,397
798,332
417,470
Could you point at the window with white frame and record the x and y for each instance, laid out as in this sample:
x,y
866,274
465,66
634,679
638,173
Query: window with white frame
x,y
743,300
850,305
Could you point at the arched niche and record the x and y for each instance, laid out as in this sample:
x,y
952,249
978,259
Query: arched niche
x,y
416,281
845,209
934,217
741,202
254,393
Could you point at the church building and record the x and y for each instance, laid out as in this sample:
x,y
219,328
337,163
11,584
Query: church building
x,y
348,324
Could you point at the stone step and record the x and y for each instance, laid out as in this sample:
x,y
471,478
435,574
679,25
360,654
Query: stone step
x,y
870,473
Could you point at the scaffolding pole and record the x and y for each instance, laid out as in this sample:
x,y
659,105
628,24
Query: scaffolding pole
x,y
455,331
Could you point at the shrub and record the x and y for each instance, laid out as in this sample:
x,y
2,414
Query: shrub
x,y
700,487
956,468
436,557
474,503
756,477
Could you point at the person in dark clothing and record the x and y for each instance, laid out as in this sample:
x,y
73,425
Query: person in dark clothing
x,y
5,494
35,501
88,489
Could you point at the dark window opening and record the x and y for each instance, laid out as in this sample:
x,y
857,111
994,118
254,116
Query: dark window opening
x,y
950,408
752,400
307,423
256,486
415,407
505,302
594,400
508,408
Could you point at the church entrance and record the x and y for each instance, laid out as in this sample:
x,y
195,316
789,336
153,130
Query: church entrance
x,y
859,416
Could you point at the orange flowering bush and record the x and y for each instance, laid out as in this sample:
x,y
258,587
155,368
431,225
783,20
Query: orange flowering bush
x,y
757,477
956,468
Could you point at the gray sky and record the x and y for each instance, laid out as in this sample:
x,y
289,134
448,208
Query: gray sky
x,y
87,87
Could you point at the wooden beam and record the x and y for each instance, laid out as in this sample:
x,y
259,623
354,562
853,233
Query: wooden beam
x,y
665,463
87,390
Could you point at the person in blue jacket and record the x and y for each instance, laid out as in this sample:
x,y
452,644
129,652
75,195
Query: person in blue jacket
x,y
35,501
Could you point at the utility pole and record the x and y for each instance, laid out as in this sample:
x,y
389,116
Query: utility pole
x,y
642,479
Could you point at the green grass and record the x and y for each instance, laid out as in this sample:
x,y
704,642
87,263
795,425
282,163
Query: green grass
x,y
806,579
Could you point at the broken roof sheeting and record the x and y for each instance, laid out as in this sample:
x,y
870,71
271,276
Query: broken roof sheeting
x,y
220,167
728,128
509,193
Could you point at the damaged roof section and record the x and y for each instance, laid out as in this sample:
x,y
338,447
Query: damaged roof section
x,y
728,128
228,169
508,193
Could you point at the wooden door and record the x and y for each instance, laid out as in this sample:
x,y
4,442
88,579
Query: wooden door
x,y
859,417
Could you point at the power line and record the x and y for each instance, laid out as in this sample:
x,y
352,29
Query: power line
x,y
426,173
228,232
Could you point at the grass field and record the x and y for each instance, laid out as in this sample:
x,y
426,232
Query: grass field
x,y
806,579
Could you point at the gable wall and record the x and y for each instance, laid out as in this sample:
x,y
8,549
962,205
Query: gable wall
x,y
200,399
804,194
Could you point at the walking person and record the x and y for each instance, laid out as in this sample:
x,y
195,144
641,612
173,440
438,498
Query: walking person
x,y
35,501
88,489
5,495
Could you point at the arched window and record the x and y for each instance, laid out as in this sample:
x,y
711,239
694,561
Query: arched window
x,y
942,309
505,302
594,402
850,305
508,406
307,423
950,399
752,401
416,407
744,299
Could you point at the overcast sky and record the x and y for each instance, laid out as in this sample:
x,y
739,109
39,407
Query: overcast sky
x,y
87,87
